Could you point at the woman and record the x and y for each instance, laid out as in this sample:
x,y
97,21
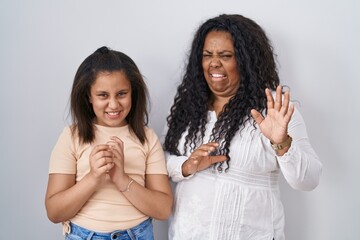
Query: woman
x,y
228,139
107,176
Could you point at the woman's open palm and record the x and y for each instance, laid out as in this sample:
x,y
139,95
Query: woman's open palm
x,y
274,125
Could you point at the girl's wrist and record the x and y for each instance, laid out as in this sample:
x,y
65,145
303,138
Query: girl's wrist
x,y
127,189
123,182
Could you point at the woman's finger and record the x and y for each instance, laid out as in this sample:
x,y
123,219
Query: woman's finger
x,y
257,116
217,159
205,149
285,104
278,98
289,113
269,99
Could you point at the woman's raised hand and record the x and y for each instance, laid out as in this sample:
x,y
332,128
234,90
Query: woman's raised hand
x,y
275,124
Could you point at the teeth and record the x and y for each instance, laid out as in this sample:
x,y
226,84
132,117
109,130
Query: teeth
x,y
113,113
217,75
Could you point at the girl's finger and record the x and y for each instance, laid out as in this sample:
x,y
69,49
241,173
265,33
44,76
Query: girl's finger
x,y
116,140
103,161
106,168
99,148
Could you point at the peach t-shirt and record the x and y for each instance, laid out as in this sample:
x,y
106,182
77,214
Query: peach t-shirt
x,y
108,210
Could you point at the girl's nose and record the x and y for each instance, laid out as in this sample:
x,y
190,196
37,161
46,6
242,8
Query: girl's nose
x,y
113,103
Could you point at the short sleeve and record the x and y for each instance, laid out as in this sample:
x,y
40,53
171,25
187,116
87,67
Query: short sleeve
x,y
63,157
155,163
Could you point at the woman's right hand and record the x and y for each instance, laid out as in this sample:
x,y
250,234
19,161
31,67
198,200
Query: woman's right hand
x,y
201,159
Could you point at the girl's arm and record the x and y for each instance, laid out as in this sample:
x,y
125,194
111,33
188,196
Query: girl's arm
x,y
154,200
65,197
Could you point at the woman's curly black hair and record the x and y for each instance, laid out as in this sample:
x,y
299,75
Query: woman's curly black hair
x,y
257,68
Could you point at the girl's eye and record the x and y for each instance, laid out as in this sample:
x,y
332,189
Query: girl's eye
x,y
122,94
102,95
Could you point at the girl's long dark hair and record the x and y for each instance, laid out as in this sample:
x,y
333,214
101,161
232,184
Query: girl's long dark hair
x,y
257,68
106,60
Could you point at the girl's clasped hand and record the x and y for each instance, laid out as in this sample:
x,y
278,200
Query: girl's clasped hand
x,y
108,160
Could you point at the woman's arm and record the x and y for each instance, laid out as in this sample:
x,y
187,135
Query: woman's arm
x,y
298,161
300,166
174,166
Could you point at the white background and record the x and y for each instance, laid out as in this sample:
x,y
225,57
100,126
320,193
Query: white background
x,y
43,42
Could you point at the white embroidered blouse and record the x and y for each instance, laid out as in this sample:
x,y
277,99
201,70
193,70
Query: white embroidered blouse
x,y
243,203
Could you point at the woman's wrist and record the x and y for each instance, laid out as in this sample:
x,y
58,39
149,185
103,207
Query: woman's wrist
x,y
283,147
185,169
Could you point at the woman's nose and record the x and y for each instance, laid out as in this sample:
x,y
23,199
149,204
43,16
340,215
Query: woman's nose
x,y
215,62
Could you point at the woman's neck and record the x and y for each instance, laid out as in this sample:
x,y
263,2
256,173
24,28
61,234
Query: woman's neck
x,y
217,104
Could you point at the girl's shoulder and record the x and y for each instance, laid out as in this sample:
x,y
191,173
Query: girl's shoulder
x,y
151,135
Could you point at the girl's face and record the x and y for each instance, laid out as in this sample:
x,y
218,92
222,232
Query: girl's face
x,y
219,64
110,96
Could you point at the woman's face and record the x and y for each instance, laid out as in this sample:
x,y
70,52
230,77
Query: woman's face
x,y
219,64
110,96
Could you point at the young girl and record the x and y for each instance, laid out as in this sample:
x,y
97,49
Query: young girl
x,y
107,172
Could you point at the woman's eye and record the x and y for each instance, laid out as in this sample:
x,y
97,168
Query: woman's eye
x,y
226,56
206,56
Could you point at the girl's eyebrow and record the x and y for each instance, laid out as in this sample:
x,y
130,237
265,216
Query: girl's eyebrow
x,y
121,90
124,89
101,91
